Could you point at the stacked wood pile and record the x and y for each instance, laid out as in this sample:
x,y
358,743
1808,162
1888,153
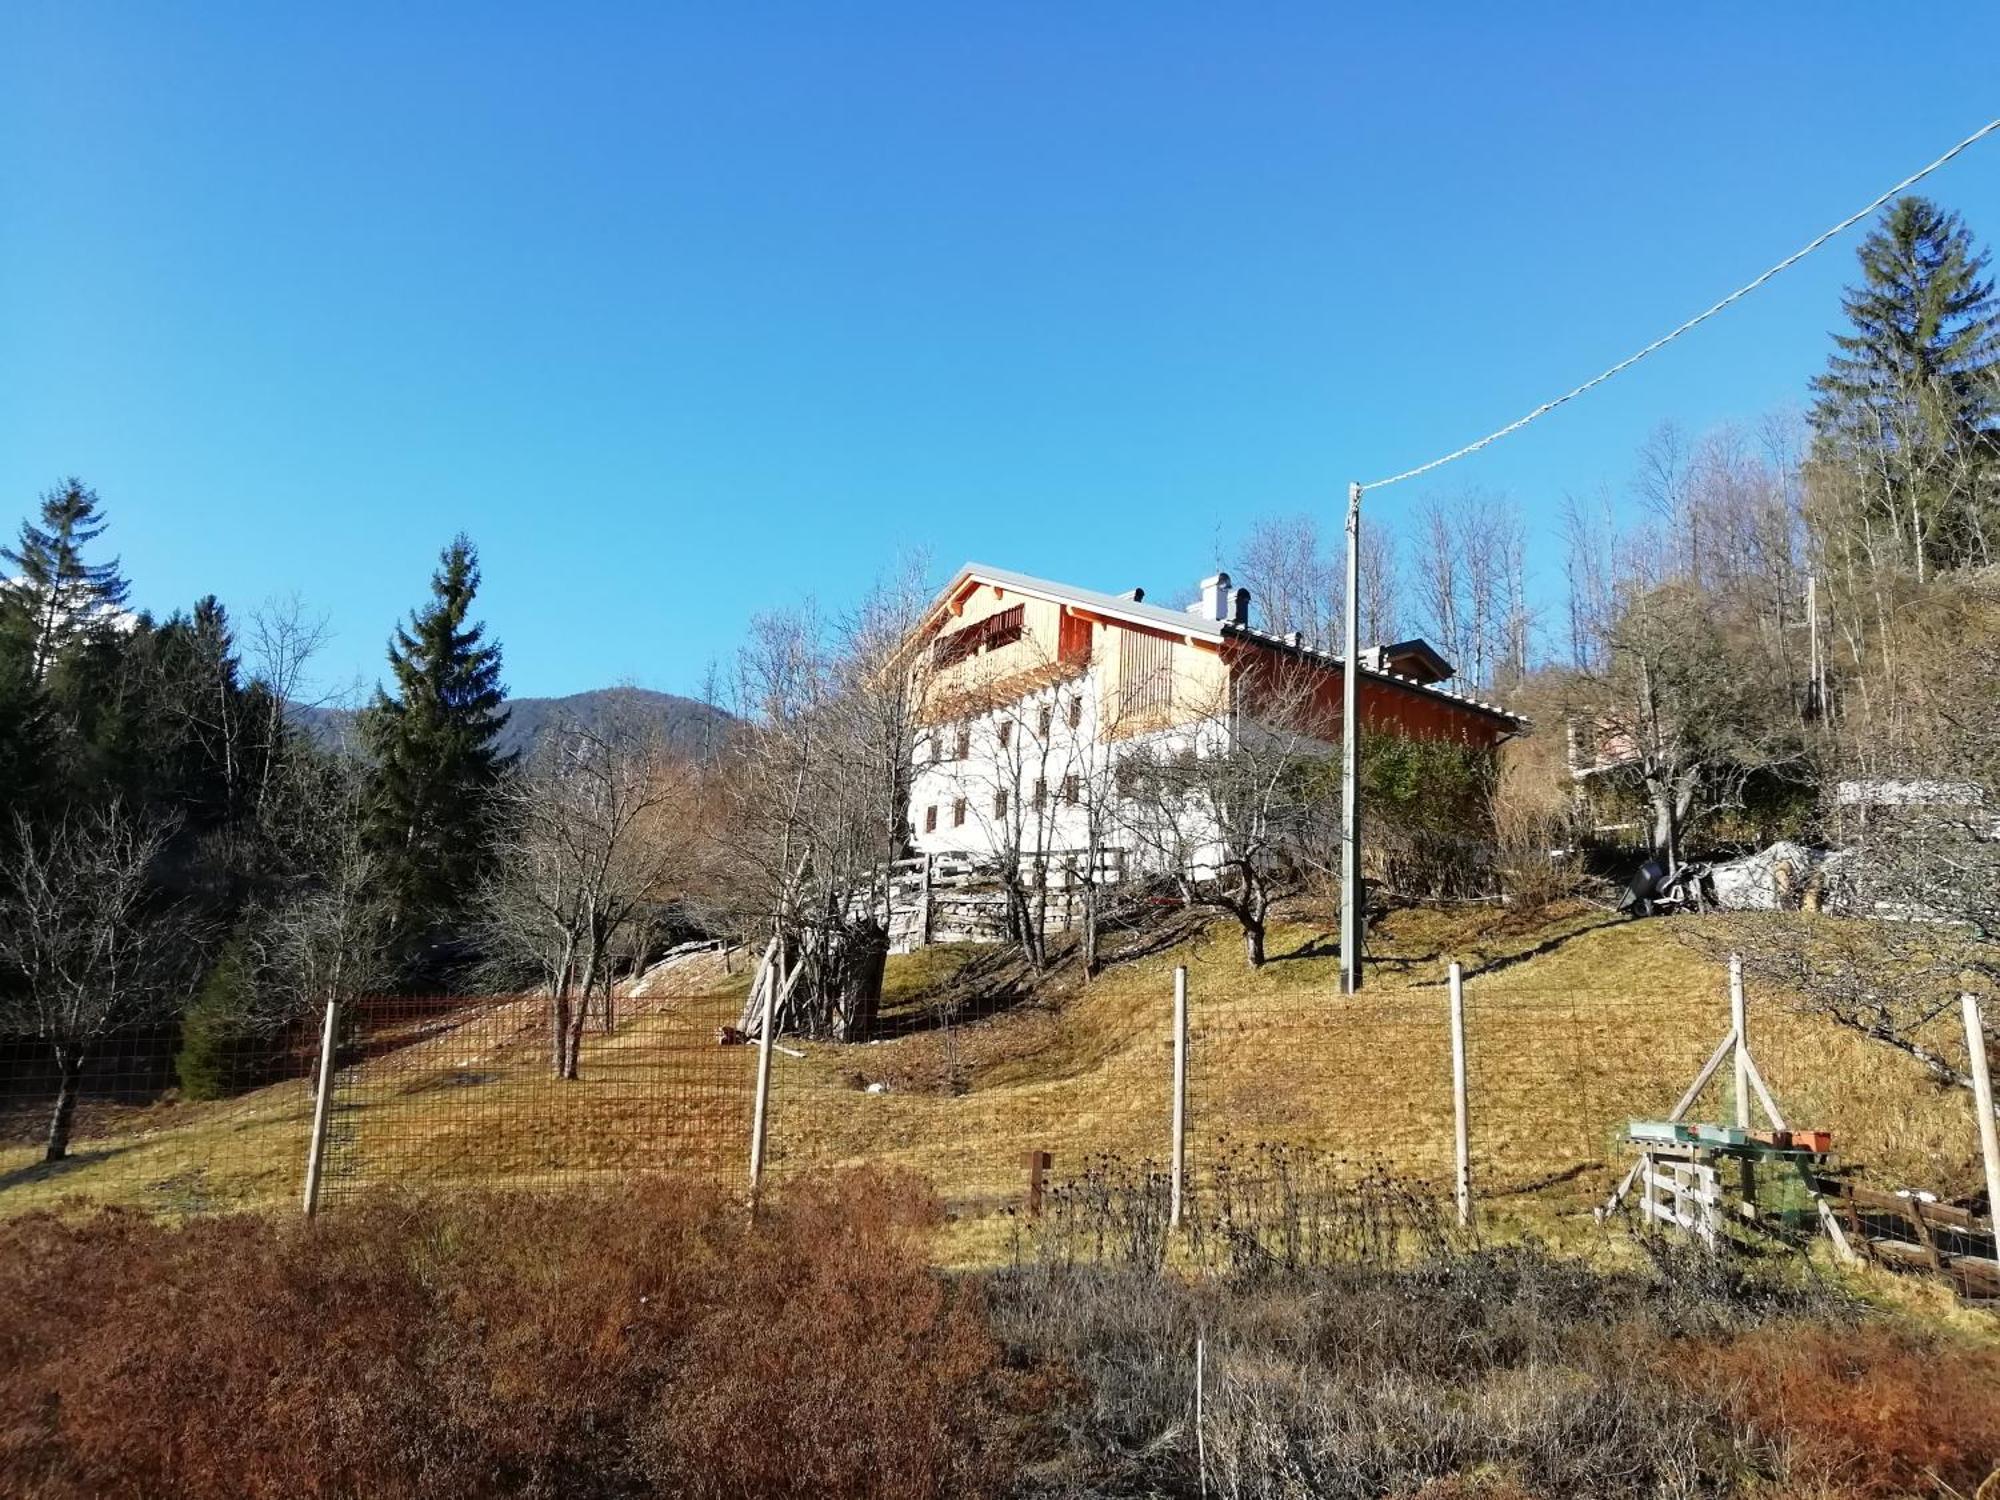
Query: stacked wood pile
x,y
958,898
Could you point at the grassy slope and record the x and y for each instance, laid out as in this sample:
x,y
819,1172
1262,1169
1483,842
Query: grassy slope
x,y
1576,1024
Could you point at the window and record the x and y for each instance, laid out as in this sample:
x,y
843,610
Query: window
x,y
1076,712
1041,792
963,749
1048,719
1006,733
930,819
958,813
1000,803
1072,790
935,742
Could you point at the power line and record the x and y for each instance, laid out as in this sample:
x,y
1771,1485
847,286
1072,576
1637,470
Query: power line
x,y
1701,317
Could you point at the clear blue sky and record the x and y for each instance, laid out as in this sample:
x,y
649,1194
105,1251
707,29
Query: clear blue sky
x,y
685,311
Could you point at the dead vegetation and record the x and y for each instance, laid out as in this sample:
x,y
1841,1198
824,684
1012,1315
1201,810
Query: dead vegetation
x,y
652,1342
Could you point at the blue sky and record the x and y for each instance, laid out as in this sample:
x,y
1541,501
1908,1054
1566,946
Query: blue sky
x,y
685,312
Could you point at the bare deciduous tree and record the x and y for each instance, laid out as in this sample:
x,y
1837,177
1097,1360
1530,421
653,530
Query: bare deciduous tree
x,y
588,835
91,945
1226,799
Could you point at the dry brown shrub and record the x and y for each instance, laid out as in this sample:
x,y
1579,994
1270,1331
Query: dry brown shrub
x,y
648,1341
1875,1410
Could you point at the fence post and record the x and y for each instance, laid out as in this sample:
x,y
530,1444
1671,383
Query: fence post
x,y
760,1112
1982,1095
1739,1022
322,1107
924,906
1461,1116
1180,1095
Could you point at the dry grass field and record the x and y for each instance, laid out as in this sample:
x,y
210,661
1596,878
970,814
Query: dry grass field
x,y
1576,1024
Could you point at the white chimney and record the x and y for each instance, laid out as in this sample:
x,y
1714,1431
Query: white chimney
x,y
1213,601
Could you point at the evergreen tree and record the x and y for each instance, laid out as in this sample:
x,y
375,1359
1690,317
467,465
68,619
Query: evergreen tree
x,y
432,740
1909,406
54,596
219,1027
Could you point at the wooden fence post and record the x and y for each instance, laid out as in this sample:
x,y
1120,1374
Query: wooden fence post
x,y
322,1107
760,1112
1982,1095
1739,1022
1180,1095
1038,1162
1460,1100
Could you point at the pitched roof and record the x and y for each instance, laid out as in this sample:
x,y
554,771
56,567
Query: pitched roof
x,y
1183,622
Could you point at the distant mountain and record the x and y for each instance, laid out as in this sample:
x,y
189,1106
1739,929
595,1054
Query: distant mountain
x,y
690,726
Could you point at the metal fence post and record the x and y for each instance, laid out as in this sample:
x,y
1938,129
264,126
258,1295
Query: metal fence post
x,y
1180,1095
1462,1124
1982,1095
322,1107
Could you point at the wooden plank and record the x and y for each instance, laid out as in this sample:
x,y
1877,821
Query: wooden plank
x,y
1895,1203
1722,1051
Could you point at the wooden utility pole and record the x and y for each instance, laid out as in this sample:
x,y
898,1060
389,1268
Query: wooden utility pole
x,y
1982,1096
1460,1100
1350,759
1180,1095
329,1037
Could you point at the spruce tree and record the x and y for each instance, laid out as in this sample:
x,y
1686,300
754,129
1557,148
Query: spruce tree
x,y
435,761
1910,401
54,597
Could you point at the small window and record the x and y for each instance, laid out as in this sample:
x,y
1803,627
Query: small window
x,y
958,813
1072,790
1076,713
1041,792
963,750
1000,803
1048,719
930,819
1006,733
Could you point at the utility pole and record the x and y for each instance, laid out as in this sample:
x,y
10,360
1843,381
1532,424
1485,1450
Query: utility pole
x,y
1350,760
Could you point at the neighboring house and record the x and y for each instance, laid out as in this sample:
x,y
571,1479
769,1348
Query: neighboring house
x,y
1031,693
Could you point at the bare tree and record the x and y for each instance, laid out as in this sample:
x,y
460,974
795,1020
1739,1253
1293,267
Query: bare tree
x,y
588,836
1293,581
1680,705
818,791
1225,799
283,640
323,940
92,945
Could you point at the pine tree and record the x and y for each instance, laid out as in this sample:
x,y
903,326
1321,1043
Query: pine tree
x,y
432,739
1909,405
54,596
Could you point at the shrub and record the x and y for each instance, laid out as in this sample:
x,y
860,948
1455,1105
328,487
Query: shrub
x,y
1871,1411
646,1340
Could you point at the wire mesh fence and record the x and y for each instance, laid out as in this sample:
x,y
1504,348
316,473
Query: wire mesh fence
x,y
452,1092
180,1115
1001,1095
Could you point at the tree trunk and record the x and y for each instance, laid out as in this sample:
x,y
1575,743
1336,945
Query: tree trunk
x,y
1090,930
69,1065
1253,942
